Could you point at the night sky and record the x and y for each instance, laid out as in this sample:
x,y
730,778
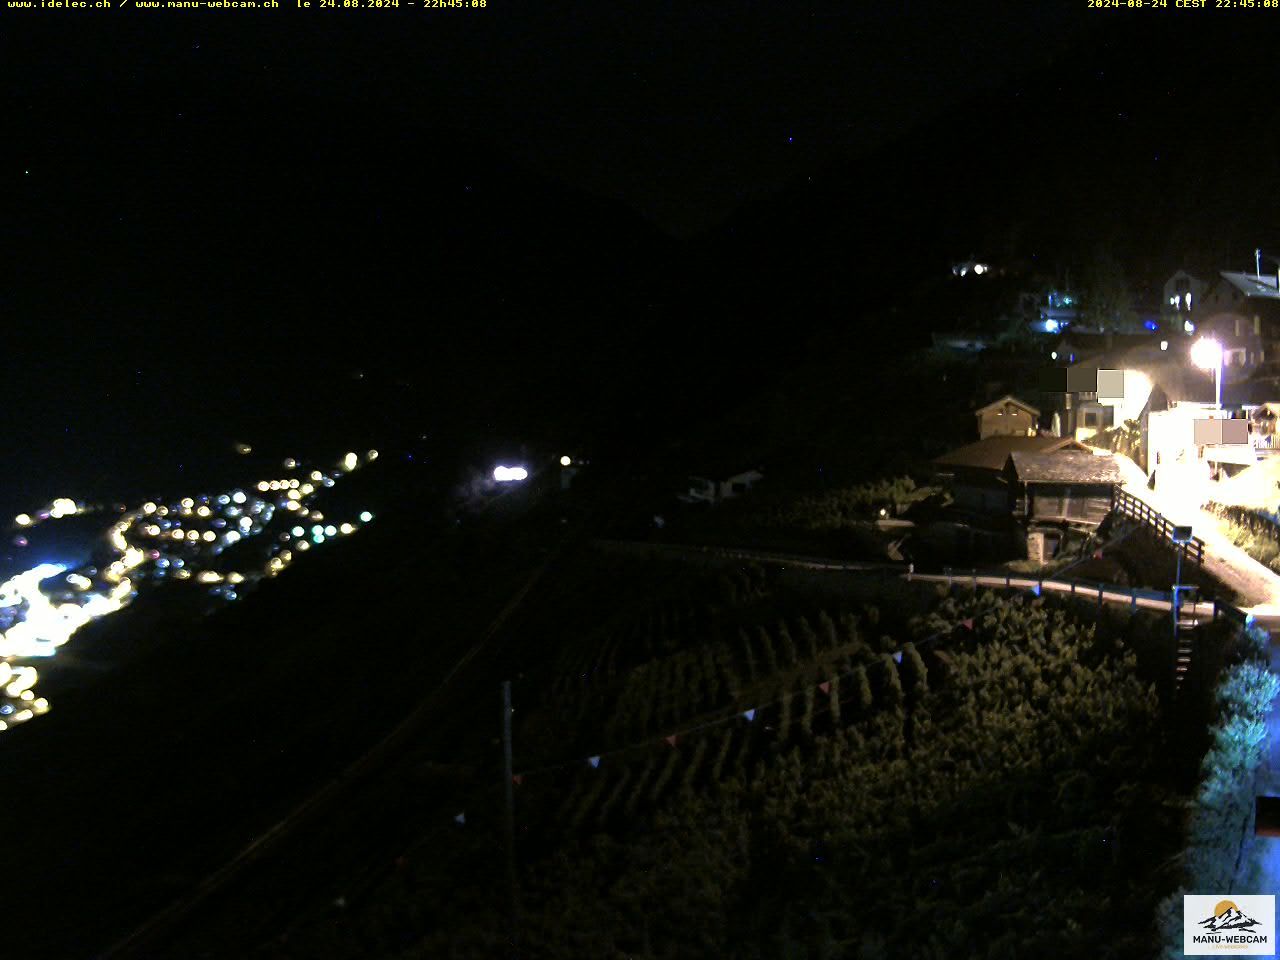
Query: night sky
x,y
575,200
679,111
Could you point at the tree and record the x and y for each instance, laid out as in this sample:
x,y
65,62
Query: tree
x,y
1107,297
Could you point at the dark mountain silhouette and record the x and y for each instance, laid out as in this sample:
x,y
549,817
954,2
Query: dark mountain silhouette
x,y
1140,137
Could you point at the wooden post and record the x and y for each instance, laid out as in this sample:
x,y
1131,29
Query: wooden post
x,y
509,776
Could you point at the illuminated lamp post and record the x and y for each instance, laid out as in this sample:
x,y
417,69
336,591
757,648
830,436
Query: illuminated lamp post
x,y
1206,354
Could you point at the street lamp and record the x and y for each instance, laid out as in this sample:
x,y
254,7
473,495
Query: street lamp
x,y
1206,354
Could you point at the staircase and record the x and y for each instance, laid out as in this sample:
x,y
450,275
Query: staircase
x,y
1182,656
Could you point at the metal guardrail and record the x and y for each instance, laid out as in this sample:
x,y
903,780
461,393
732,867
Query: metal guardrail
x,y
1139,510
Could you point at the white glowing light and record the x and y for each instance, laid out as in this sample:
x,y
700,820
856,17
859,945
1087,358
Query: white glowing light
x,y
148,507
366,516
1206,353
45,626
346,528
331,531
372,455
62,507
565,461
22,520
350,462
298,532
509,474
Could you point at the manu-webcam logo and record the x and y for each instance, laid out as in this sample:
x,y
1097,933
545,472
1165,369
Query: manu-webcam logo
x,y
1243,925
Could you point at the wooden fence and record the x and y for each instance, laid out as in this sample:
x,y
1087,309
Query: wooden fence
x,y
1129,505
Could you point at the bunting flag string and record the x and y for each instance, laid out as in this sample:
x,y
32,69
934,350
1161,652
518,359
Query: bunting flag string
x,y
749,715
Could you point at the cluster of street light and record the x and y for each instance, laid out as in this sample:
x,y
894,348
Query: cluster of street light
x,y
41,608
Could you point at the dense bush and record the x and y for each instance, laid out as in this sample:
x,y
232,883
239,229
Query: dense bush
x,y
1221,853
1255,532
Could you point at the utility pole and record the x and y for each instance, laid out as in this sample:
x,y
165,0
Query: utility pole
x,y
509,776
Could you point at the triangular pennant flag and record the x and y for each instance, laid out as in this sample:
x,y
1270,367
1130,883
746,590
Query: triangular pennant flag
x,y
594,761
897,657
518,779
460,818
749,714
825,686
968,624
671,739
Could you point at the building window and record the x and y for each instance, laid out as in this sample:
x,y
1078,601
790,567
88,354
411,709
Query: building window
x,y
1090,418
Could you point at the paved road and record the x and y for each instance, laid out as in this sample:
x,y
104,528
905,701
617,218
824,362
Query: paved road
x,y
1222,558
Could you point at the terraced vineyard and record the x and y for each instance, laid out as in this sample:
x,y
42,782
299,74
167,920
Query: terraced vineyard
x,y
721,766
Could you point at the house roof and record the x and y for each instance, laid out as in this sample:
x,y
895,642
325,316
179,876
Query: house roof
x,y
993,452
1008,398
1169,371
1251,392
1088,344
1253,286
723,474
1065,466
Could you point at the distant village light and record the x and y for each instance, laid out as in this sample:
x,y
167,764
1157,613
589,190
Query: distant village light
x,y
1188,326
565,461
1164,344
